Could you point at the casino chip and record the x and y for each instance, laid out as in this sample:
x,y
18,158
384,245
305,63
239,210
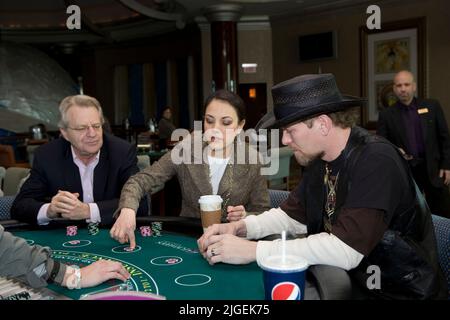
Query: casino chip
x,y
93,228
146,231
156,229
172,260
71,231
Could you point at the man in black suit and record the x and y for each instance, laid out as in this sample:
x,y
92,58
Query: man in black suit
x,y
78,176
419,129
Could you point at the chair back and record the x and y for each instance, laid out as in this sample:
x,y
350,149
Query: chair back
x,y
8,158
442,231
282,157
277,197
5,207
14,178
143,161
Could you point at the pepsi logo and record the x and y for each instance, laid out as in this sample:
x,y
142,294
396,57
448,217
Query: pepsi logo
x,y
286,291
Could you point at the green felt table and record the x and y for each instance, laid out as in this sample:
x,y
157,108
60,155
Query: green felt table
x,y
169,265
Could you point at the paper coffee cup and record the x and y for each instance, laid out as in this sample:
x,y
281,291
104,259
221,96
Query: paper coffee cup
x,y
210,210
284,280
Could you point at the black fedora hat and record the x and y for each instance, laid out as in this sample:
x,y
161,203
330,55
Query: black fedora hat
x,y
303,97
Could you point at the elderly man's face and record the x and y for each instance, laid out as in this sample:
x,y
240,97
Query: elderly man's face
x,y
303,141
84,130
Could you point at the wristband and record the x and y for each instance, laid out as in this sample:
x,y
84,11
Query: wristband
x,y
74,280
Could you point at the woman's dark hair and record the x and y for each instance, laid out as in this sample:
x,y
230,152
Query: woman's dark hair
x,y
231,98
164,110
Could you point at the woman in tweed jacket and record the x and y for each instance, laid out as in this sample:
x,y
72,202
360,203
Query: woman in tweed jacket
x,y
223,165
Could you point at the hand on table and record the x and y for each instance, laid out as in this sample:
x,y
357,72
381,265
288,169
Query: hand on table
x,y
235,213
101,271
123,229
68,205
229,248
222,228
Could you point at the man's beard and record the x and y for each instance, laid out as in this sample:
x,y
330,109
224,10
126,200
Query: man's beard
x,y
305,159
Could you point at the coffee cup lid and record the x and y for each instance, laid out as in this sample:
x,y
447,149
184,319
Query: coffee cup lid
x,y
210,198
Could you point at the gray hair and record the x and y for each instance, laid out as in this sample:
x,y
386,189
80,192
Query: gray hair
x,y
80,101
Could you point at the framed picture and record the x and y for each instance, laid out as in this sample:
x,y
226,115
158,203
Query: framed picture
x,y
396,46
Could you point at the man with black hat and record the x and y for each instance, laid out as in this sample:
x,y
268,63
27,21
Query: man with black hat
x,y
356,201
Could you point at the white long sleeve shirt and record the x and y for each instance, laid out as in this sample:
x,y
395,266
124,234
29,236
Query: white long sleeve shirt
x,y
321,248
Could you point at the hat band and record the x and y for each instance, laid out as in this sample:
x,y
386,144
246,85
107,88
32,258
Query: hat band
x,y
282,111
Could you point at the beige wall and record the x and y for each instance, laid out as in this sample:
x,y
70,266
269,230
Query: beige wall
x,y
347,66
254,46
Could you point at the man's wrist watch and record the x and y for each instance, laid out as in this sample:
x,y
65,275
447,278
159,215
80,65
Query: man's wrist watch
x,y
74,280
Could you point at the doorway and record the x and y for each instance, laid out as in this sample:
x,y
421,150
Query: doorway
x,y
255,99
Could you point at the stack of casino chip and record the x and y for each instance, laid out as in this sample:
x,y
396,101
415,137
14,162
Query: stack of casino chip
x,y
146,231
156,229
71,231
93,228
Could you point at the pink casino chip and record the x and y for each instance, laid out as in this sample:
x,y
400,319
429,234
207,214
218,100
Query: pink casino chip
x,y
146,231
71,231
172,261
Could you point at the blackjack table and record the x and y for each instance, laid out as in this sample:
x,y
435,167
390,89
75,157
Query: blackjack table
x,y
168,266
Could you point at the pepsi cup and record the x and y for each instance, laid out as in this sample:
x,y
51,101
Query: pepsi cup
x,y
284,279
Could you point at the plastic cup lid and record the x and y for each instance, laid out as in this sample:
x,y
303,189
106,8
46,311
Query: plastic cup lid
x,y
291,264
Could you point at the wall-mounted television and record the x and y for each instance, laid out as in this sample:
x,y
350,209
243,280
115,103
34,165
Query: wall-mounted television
x,y
318,46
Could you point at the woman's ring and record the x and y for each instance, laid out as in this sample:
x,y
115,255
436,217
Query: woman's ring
x,y
213,253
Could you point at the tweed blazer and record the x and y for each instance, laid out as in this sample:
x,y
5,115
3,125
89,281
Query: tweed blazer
x,y
241,184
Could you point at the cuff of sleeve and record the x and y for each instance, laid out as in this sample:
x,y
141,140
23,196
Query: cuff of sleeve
x,y
128,203
95,213
60,275
252,226
42,218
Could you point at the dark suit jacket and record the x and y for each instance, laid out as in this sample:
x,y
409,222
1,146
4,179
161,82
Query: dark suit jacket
x,y
435,134
54,169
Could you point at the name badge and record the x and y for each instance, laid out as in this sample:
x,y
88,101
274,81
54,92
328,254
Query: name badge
x,y
422,110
